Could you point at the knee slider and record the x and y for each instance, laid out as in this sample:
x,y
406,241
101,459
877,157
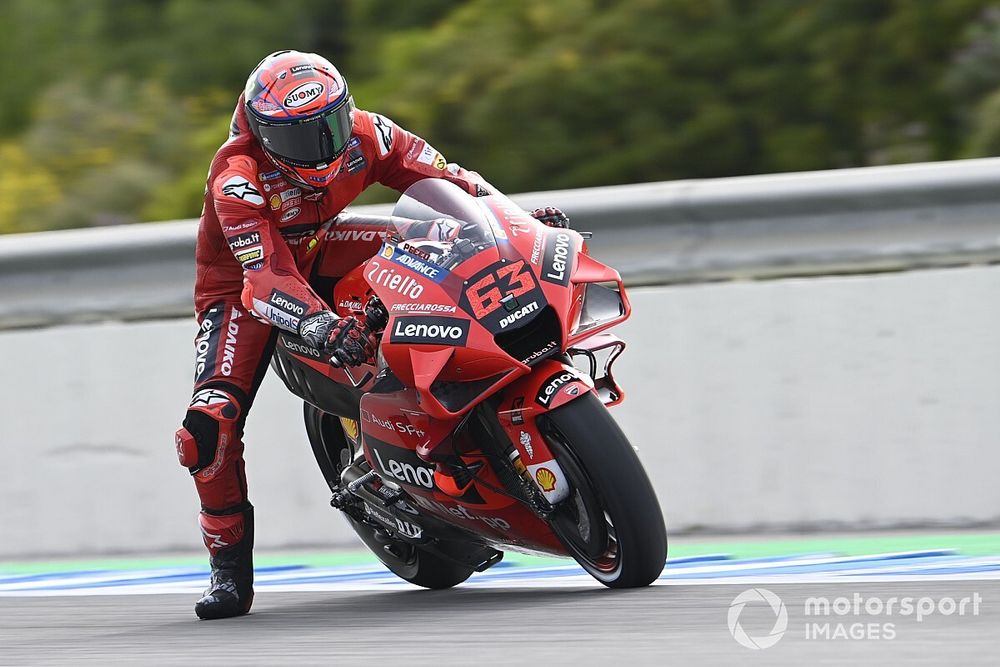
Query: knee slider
x,y
209,428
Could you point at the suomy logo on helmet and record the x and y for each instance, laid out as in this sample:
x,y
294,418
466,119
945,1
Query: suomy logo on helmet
x,y
303,95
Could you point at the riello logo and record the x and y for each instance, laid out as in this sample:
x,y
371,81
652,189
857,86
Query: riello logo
x,y
405,285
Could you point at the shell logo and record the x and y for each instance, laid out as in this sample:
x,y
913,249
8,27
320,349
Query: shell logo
x,y
546,479
275,202
350,427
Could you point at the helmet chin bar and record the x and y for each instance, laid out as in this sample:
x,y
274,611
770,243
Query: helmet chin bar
x,y
290,173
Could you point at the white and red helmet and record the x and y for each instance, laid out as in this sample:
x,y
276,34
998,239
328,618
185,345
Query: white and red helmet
x,y
299,109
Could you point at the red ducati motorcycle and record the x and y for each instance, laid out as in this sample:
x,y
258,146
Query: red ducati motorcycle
x,y
482,425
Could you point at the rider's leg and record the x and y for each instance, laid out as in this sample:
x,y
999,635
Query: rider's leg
x,y
233,351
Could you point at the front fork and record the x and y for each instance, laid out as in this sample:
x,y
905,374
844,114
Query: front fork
x,y
550,385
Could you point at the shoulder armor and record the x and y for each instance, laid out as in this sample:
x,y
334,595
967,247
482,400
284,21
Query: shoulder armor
x,y
238,183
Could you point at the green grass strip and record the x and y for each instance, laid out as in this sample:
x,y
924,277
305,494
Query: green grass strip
x,y
968,544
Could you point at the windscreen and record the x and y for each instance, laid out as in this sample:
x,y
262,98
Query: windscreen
x,y
442,224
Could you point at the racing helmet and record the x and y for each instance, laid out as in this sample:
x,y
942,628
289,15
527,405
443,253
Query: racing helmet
x,y
299,109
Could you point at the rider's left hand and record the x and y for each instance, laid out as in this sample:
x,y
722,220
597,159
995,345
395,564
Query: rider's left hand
x,y
551,216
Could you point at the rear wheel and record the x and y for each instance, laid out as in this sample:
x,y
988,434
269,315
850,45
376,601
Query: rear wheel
x,y
410,562
407,561
611,523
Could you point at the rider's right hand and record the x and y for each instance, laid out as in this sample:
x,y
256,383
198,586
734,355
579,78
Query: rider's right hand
x,y
347,339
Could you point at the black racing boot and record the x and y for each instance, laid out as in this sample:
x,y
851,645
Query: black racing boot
x,y
230,592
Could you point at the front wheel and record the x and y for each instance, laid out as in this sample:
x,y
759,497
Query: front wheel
x,y
611,523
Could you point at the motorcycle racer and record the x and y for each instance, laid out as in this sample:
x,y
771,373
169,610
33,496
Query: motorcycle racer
x,y
298,152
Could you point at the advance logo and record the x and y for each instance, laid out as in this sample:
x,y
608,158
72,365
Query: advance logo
x,y
430,331
414,263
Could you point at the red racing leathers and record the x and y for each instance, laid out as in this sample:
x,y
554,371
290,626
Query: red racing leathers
x,y
258,236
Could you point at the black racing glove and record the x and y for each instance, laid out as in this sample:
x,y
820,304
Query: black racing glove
x,y
346,339
376,316
551,216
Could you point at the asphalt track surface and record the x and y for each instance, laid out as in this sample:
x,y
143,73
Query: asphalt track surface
x,y
668,624
547,613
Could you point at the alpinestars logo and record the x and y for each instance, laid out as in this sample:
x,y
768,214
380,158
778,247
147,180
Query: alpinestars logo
x,y
209,397
242,189
384,128
212,540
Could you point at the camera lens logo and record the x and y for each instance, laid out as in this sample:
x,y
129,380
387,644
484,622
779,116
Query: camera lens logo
x,y
780,620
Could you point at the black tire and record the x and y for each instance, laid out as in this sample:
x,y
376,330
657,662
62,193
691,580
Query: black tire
x,y
412,563
628,549
327,439
415,565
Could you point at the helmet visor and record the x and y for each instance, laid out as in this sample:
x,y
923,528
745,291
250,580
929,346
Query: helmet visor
x,y
310,143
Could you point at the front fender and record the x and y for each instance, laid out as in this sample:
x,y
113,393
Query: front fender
x,y
550,385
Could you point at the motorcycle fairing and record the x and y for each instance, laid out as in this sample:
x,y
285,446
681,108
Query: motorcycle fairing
x,y
394,430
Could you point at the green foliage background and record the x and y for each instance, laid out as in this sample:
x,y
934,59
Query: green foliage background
x,y
110,110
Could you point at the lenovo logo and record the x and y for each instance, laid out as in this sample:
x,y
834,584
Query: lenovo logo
x,y
414,475
430,330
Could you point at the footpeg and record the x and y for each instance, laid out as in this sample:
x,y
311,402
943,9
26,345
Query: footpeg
x,y
394,550
341,498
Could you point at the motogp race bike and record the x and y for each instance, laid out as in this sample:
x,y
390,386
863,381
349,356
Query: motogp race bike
x,y
482,424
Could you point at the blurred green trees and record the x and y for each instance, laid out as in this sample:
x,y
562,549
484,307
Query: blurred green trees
x,y
112,109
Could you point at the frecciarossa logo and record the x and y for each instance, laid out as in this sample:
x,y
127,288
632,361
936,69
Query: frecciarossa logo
x,y
430,331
